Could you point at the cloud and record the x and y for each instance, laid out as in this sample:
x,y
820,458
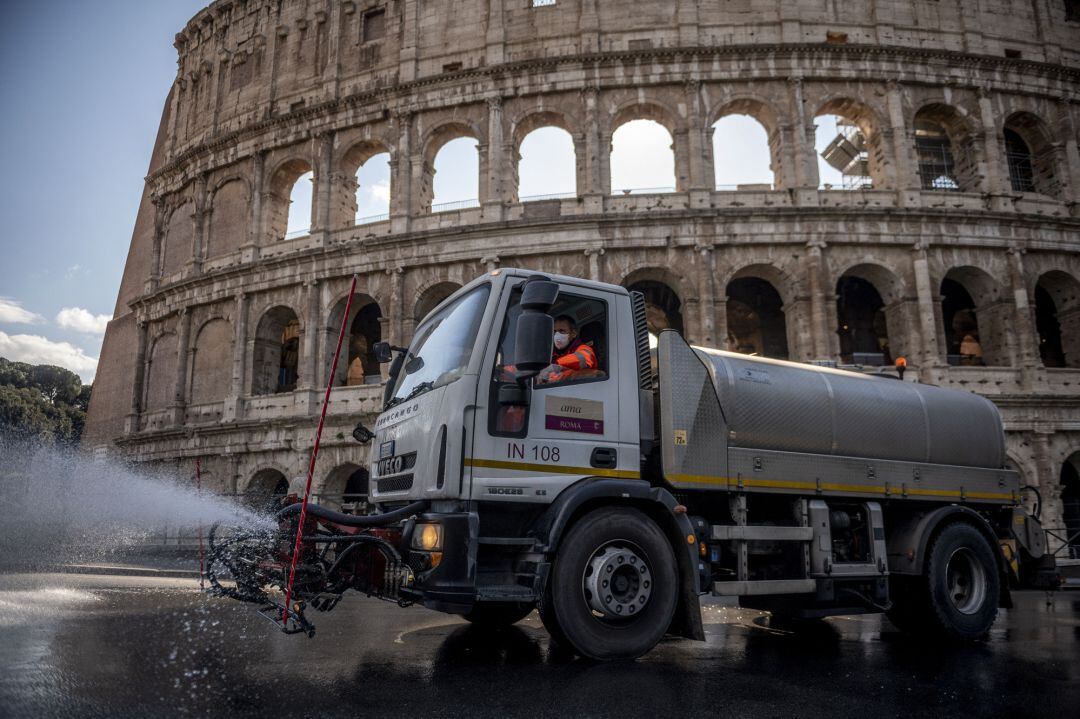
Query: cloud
x,y
11,311
80,320
381,191
35,349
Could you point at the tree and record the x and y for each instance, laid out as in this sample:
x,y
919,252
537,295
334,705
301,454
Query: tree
x,y
43,403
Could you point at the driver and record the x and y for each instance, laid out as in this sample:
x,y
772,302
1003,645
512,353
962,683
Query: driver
x,y
570,356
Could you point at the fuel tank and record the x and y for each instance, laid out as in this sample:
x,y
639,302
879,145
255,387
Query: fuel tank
x,y
787,406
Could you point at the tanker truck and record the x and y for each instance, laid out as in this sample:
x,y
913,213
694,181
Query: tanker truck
x,y
612,498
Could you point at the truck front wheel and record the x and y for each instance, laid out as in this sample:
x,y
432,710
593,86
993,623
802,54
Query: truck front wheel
x,y
957,596
614,584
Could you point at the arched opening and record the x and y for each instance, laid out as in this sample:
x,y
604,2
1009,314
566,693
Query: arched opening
x,y
211,363
1057,319
642,158
431,297
663,308
373,189
276,352
229,219
961,325
178,240
266,490
346,488
1030,155
946,149
456,175
299,223
363,366
547,165
1070,501
755,318
742,156
161,373
861,323
849,154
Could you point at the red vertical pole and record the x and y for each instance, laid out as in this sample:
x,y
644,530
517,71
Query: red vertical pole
x,y
202,554
315,453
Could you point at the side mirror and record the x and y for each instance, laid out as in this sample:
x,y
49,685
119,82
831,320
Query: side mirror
x,y
539,293
513,395
362,434
532,343
383,352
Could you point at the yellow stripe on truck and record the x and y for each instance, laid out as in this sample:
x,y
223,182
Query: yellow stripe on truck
x,y
733,483
551,468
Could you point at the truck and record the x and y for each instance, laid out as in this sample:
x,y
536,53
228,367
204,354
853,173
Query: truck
x,y
613,498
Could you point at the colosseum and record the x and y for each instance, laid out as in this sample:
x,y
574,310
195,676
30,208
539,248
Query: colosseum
x,y
952,237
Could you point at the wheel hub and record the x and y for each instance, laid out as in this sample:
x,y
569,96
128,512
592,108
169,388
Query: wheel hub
x,y
617,582
965,579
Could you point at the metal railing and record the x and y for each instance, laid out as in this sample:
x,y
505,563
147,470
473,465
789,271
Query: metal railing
x,y
1069,539
641,190
459,205
298,233
381,217
552,196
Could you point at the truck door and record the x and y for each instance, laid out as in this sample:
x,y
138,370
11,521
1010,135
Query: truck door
x,y
573,425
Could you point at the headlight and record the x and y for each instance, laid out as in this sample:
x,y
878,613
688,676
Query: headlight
x,y
427,537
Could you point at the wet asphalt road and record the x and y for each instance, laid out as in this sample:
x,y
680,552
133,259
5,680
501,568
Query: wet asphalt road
x,y
86,645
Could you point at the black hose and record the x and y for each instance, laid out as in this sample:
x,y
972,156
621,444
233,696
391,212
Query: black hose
x,y
350,520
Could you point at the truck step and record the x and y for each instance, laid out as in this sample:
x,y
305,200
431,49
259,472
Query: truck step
x,y
764,586
759,533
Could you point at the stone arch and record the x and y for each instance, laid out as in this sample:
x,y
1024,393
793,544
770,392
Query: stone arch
x,y
870,321
761,112
229,207
652,111
1057,318
429,297
345,487
352,163
178,237
1030,155
161,368
434,141
275,355
265,489
947,148
541,120
211,361
756,315
283,179
781,279
357,364
1069,486
975,318
858,151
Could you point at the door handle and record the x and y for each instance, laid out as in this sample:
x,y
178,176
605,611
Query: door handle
x,y
604,458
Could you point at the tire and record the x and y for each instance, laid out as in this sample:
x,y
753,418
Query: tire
x,y
957,596
621,551
498,614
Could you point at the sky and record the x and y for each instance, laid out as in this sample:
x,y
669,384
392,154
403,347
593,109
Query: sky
x,y
82,87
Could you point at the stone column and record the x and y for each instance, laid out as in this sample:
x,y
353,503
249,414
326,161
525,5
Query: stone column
x,y
159,236
588,27
494,163
131,422
198,234
699,163
1023,319
309,337
323,190
706,273
929,353
593,254
249,251
803,153
401,174
182,357
410,36
397,304
233,409
597,180
997,170
496,33
1070,156
903,148
820,295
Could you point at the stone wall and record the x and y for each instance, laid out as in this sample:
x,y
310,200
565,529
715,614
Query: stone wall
x,y
267,91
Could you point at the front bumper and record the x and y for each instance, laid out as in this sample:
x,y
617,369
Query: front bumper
x,y
448,585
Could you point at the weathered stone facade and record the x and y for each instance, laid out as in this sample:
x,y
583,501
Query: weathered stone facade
x,y
267,91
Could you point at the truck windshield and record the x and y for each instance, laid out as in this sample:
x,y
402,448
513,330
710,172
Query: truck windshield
x,y
442,345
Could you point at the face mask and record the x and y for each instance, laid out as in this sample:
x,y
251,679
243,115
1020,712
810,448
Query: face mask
x,y
561,340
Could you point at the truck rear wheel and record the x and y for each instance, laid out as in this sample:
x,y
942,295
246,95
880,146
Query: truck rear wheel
x,y
957,596
498,614
614,584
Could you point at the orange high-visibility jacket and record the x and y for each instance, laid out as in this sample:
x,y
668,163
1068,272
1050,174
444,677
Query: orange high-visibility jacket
x,y
577,356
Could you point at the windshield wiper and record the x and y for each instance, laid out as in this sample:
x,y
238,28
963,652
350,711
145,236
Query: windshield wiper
x,y
418,389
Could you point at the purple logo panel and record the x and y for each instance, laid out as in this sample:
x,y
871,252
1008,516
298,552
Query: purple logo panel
x,y
572,424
